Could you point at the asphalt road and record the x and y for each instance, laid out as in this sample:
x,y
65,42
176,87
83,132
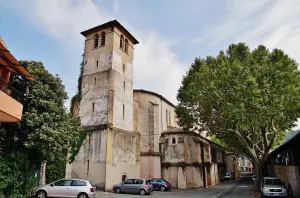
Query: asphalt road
x,y
242,190
228,189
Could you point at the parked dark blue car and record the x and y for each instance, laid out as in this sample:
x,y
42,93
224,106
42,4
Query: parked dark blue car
x,y
160,184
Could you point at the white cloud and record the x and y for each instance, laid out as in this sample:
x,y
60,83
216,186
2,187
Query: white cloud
x,y
197,40
156,67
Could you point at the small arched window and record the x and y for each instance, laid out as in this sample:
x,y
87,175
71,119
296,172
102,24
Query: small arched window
x,y
121,41
102,44
96,40
126,45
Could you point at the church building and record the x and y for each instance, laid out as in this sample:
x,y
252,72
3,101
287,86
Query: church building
x,y
133,133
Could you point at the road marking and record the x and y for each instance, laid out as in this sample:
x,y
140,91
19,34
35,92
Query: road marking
x,y
243,186
218,195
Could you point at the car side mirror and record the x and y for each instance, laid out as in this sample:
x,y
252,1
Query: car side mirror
x,y
51,184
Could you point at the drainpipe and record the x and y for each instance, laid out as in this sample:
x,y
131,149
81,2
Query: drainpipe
x,y
203,169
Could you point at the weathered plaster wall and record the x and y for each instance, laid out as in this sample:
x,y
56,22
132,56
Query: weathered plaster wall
x,y
231,164
146,101
186,149
121,98
149,120
121,157
150,167
124,145
94,103
93,170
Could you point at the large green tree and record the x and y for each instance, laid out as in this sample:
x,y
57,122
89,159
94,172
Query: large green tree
x,y
47,131
246,98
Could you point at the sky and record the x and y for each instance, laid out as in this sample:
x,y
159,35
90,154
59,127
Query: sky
x,y
171,33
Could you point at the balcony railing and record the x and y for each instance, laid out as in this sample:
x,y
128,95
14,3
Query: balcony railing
x,y
16,88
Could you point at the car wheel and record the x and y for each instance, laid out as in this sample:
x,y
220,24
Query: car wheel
x,y
162,188
142,192
41,194
118,190
82,195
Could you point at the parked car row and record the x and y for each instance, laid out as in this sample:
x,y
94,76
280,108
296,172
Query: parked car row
x,y
142,186
85,189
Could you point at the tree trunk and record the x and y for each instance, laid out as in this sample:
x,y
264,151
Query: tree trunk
x,y
259,168
43,173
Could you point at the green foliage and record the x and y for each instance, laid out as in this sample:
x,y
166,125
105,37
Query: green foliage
x,y
16,175
247,98
49,127
47,131
76,144
56,170
77,97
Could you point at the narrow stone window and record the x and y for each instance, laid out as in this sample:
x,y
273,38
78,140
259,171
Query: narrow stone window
x,y
124,68
126,45
97,63
102,44
124,143
173,140
93,107
124,86
95,80
89,142
121,41
123,112
88,167
167,116
96,40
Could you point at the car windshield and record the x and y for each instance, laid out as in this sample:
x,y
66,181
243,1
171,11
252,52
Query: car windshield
x,y
272,182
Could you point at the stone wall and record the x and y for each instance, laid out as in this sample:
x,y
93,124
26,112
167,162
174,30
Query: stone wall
x,y
121,158
90,161
289,175
149,119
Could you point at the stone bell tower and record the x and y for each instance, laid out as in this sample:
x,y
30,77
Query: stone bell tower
x,y
111,150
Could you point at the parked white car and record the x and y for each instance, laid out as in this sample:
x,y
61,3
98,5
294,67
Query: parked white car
x,y
272,186
66,188
227,176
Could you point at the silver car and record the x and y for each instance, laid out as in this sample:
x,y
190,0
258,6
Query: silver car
x,y
66,188
272,187
135,186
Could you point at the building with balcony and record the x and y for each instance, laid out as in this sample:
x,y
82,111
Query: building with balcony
x,y
13,88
